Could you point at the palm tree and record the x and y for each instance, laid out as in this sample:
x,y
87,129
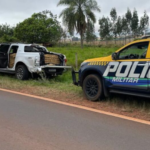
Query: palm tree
x,y
77,14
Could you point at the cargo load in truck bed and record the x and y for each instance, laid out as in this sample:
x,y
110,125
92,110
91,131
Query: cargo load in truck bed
x,y
12,60
52,59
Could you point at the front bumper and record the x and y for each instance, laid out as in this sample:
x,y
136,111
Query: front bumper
x,y
75,82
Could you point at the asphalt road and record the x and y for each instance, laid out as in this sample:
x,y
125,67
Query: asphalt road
x,y
32,124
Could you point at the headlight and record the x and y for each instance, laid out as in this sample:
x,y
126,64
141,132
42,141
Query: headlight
x,y
37,61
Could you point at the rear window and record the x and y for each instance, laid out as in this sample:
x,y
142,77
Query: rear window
x,y
33,49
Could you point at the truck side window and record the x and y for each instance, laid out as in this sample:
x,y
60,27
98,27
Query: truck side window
x,y
30,49
13,49
134,51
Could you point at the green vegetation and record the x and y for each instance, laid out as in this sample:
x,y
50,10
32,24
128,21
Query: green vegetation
x,y
7,33
41,27
77,17
128,26
86,53
90,32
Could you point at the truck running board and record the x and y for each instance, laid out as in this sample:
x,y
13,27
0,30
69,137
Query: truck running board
x,y
7,71
130,93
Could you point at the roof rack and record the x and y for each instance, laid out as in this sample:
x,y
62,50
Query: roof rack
x,y
146,37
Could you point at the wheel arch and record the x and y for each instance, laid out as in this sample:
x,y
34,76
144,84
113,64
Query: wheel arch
x,y
20,63
88,72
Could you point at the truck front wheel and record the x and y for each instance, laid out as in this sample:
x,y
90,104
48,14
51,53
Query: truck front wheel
x,y
22,72
92,87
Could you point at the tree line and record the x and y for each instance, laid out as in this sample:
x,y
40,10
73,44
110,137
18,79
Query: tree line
x,y
128,25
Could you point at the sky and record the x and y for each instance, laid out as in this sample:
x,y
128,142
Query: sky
x,y
15,11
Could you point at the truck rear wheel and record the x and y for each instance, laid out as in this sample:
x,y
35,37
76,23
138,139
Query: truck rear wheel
x,y
22,72
92,87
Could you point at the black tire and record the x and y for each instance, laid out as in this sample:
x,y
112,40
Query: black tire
x,y
22,72
92,87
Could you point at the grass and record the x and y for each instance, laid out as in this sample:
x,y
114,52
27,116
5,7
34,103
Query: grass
x,y
64,83
83,54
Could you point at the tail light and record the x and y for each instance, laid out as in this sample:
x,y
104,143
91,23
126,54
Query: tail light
x,y
65,61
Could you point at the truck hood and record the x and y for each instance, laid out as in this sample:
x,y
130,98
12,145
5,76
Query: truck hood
x,y
108,58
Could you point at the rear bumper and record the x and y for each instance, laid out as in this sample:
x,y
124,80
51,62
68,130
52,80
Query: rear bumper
x,y
48,67
62,67
74,78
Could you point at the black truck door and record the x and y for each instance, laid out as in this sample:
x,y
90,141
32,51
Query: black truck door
x,y
4,55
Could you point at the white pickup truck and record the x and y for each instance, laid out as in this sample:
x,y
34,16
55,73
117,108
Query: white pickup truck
x,y
25,59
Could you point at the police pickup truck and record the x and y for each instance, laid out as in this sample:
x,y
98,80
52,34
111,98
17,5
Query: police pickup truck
x,y
127,71
25,59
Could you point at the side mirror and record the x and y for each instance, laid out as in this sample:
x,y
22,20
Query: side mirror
x,y
114,56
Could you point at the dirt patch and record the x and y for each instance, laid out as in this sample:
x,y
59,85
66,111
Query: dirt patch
x,y
105,105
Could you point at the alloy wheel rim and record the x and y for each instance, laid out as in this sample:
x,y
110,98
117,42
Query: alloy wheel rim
x,y
20,73
92,87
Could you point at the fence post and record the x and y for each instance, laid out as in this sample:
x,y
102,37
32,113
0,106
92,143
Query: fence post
x,y
76,61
